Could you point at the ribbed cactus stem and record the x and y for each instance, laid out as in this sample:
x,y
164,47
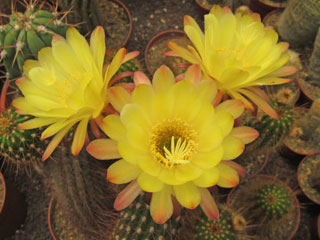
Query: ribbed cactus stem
x,y
80,188
314,65
299,22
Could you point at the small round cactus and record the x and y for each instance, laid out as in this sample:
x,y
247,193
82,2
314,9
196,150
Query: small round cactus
x,y
274,201
25,35
129,66
230,226
135,223
19,147
272,131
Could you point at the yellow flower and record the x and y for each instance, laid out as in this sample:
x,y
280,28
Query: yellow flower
x,y
173,142
67,86
238,52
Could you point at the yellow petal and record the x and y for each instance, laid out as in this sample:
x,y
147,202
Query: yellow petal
x,y
260,103
79,136
130,152
149,183
206,160
98,47
232,147
187,172
81,48
56,127
184,53
225,121
134,114
207,90
246,134
193,74
143,96
114,65
208,178
122,172
235,107
127,196
209,137
208,205
103,149
55,141
228,176
141,78
113,127
161,207
188,195
196,37
167,175
149,165
28,65
163,79
118,97
37,122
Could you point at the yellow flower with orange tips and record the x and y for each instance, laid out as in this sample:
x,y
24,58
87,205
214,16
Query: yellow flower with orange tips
x,y
239,53
173,142
67,86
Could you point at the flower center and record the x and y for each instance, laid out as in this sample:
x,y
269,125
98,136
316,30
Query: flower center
x,y
172,142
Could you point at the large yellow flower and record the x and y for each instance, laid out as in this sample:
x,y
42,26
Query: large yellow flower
x,y
67,86
238,52
173,142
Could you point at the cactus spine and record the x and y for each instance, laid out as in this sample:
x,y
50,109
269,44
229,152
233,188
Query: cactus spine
x,y
135,223
25,35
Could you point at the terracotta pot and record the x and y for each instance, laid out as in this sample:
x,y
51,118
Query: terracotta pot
x,y
13,209
271,14
204,9
161,39
50,210
264,7
266,179
289,152
130,21
303,176
305,98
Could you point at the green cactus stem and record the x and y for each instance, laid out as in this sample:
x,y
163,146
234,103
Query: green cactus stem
x,y
274,201
25,35
299,22
135,223
129,66
19,147
272,131
230,226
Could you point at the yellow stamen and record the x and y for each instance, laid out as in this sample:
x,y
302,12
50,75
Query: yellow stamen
x,y
179,152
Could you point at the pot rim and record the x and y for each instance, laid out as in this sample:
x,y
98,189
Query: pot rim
x,y
298,171
154,39
298,217
4,192
51,205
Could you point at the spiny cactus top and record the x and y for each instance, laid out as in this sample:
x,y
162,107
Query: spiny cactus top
x,y
229,227
17,145
25,35
135,223
274,200
243,54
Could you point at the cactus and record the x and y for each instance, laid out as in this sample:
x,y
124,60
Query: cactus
x,y
135,223
274,201
229,226
299,22
82,193
19,147
314,65
25,35
272,131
